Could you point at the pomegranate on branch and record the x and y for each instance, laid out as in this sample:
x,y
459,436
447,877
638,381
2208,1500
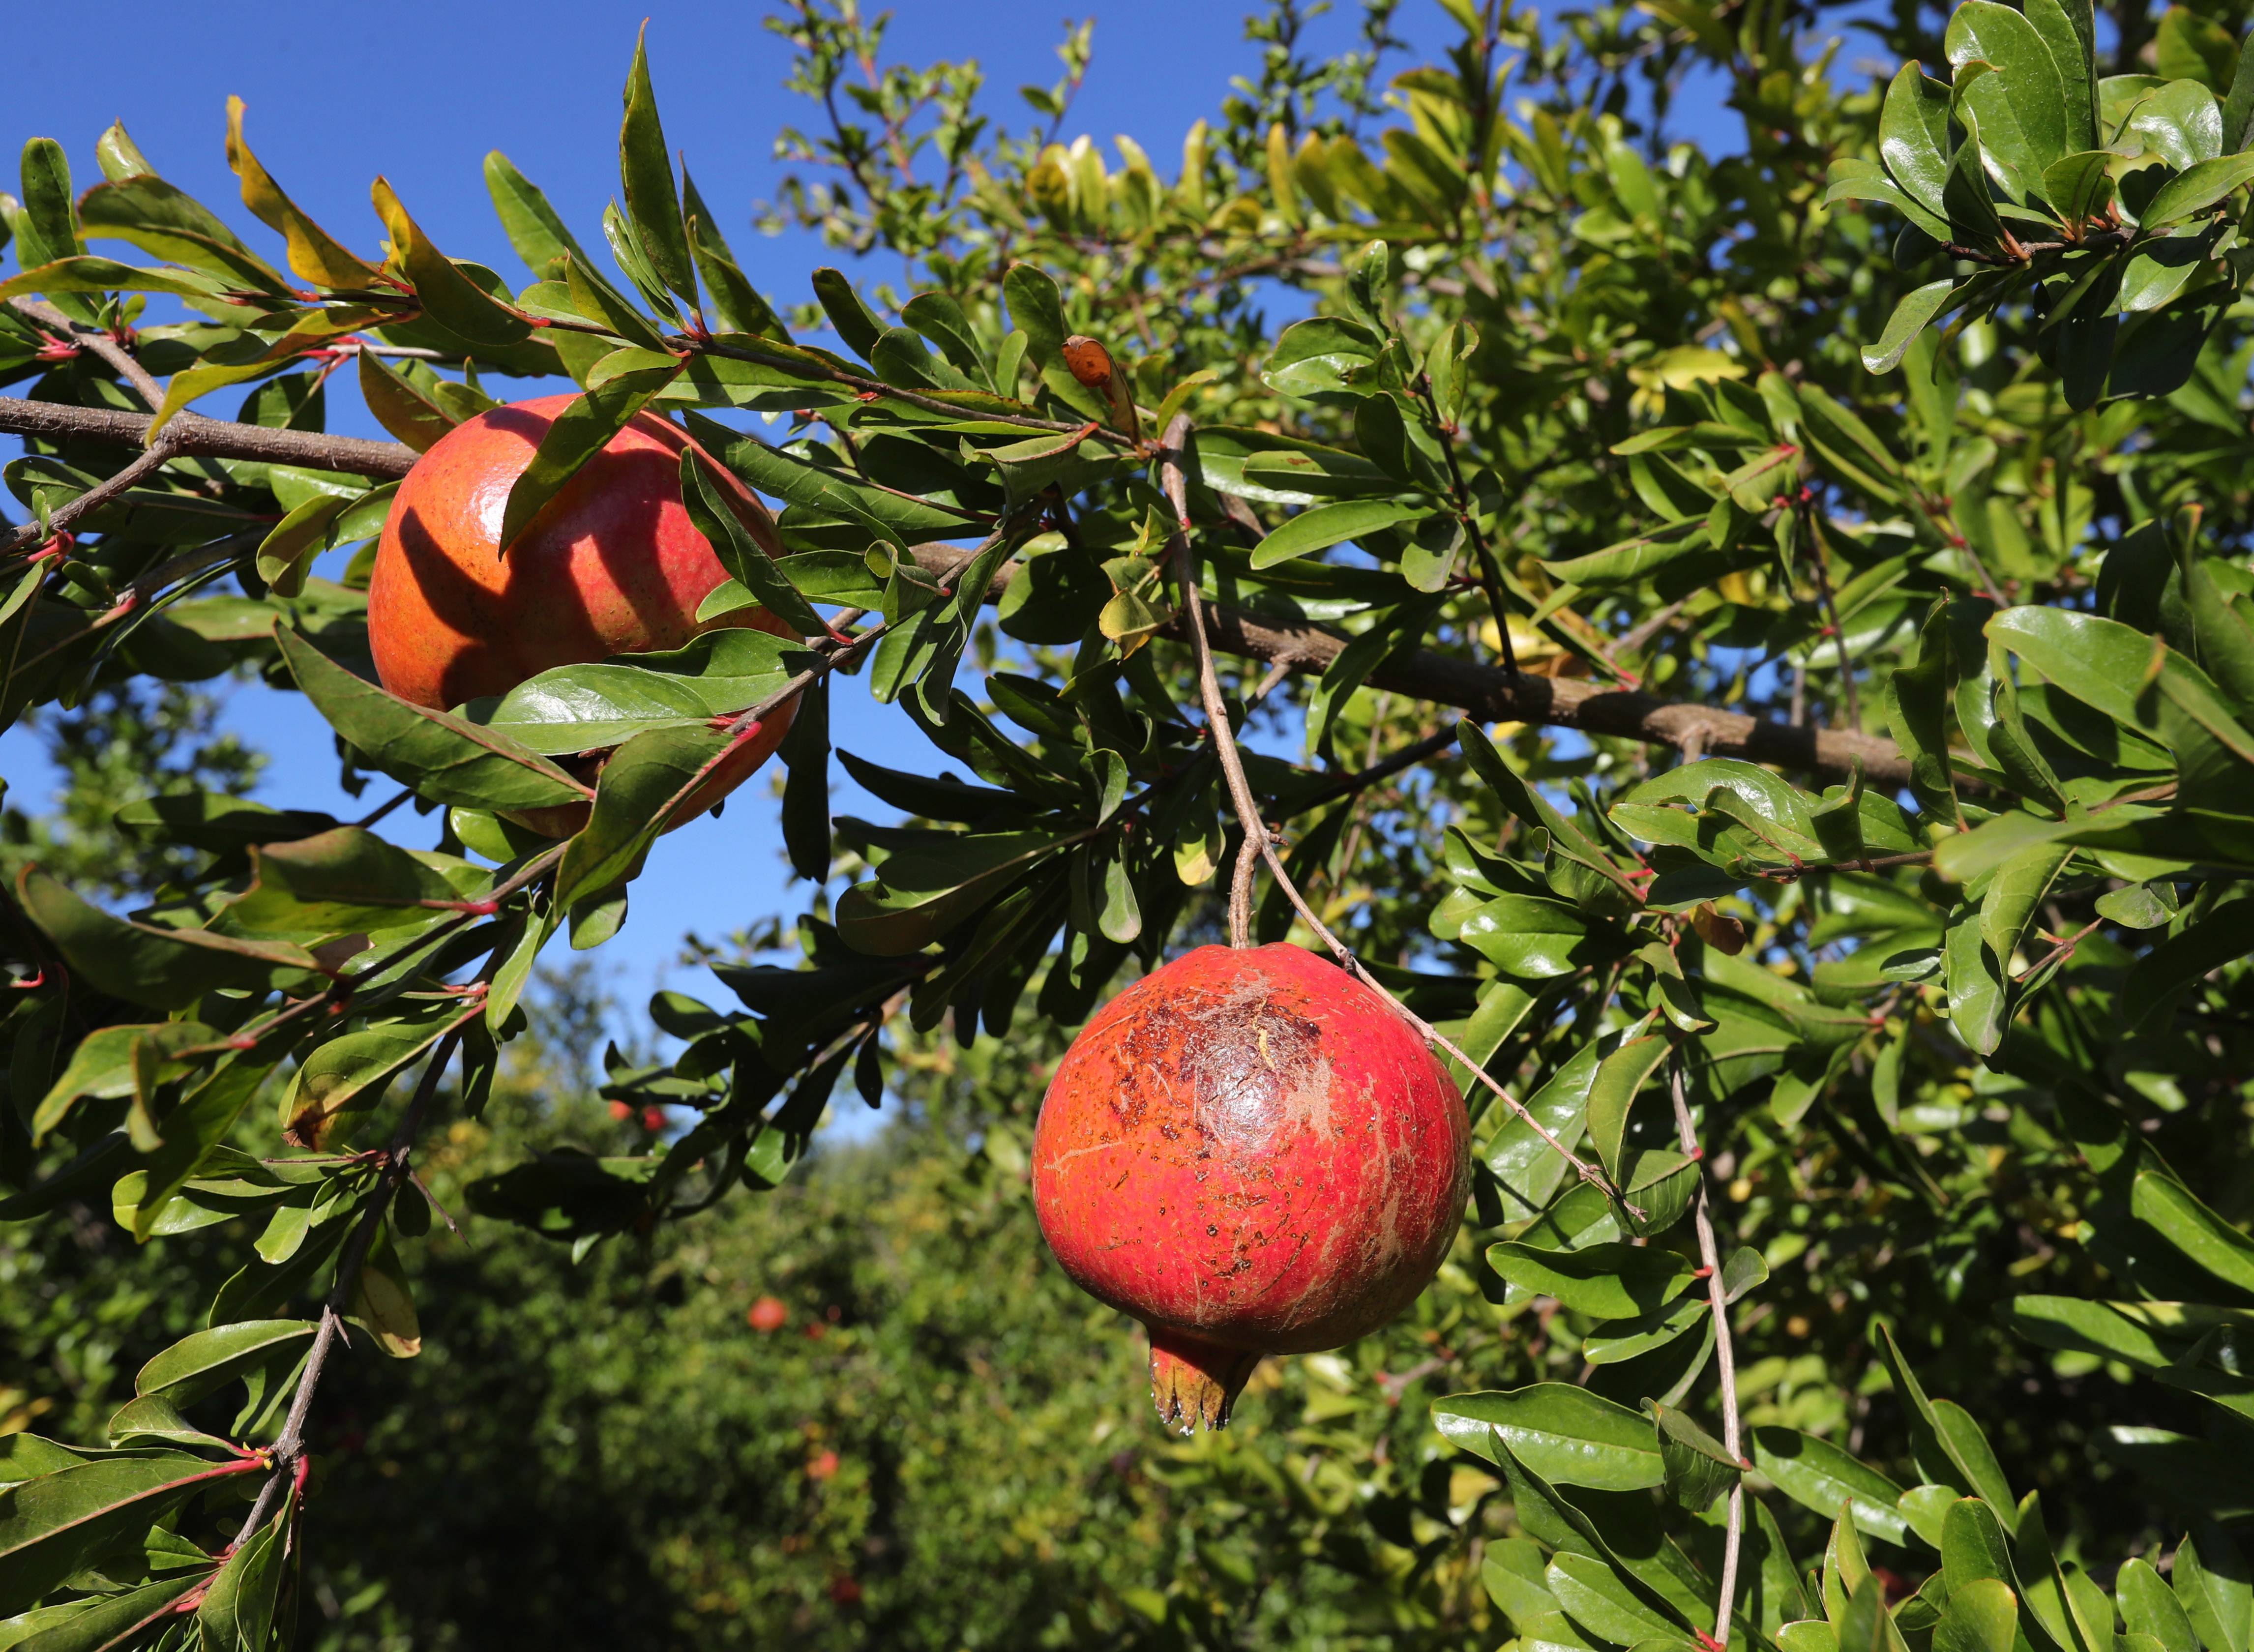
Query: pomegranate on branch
x,y
613,565
1253,1153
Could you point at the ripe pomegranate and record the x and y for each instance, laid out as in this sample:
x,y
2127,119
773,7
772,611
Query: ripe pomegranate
x,y
767,1316
1252,1153
613,566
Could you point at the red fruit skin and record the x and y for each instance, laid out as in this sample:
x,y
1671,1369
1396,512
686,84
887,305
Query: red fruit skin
x,y
767,1316
1251,1152
613,565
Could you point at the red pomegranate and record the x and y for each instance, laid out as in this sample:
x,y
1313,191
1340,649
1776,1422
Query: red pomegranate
x,y
1252,1153
613,565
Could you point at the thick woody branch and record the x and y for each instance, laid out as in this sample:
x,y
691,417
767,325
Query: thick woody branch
x,y
1487,692
195,436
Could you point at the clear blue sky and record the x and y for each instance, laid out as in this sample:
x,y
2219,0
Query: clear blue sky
x,y
419,92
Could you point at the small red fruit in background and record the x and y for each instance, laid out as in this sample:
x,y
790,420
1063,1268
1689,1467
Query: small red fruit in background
x,y
653,1119
845,1591
622,1110
1252,1153
823,1466
768,1315
613,566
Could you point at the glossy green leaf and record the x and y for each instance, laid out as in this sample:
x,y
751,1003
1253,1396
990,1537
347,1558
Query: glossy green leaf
x,y
1609,1281
161,968
447,758
1564,1433
1619,1078
448,295
1818,1476
643,784
2186,1223
50,1525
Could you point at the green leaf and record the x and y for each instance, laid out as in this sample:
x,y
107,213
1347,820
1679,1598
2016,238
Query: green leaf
x,y
399,408
1565,1434
1608,1281
2150,1607
238,1610
533,225
1593,1594
577,708
2190,48
1917,705
1981,1616
579,432
920,893
2016,890
1972,1544
644,780
348,1075
1699,1467
2212,1586
1818,1476
805,750
2078,184
1977,995
860,328
447,758
89,274
2195,190
114,1062
1917,308
1527,1169
168,223
163,969
646,174
448,296
208,1361
101,1623
2179,1217
339,882
50,1526
746,554
1619,1078
2023,118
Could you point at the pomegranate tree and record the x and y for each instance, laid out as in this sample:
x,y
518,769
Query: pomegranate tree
x,y
1252,1153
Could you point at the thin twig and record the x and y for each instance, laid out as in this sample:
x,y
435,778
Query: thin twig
x,y
1823,564
101,493
98,340
1724,1351
1175,485
291,1446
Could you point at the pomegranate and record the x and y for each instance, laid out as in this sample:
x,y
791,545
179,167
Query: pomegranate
x,y
613,565
1253,1153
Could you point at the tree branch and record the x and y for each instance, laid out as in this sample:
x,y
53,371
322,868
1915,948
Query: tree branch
x,y
1489,694
196,437
98,342
1175,485
1725,1351
291,1446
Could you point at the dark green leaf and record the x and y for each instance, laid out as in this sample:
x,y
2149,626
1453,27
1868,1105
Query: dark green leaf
x,y
447,758
1564,1433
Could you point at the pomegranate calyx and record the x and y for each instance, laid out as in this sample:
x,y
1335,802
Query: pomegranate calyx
x,y
1193,1381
